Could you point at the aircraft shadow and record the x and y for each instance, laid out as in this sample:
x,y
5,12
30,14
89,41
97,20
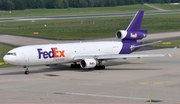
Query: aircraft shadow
x,y
62,67
44,70
120,69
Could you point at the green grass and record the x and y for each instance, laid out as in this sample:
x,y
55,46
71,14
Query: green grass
x,y
162,23
167,6
3,50
103,27
73,11
173,43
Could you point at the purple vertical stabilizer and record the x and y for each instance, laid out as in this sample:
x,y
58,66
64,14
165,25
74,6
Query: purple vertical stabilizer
x,y
132,34
135,24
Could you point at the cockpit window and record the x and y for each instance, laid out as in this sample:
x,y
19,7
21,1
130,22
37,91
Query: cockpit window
x,y
13,54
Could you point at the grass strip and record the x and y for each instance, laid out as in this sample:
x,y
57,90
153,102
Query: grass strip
x,y
173,43
3,50
73,11
168,6
89,27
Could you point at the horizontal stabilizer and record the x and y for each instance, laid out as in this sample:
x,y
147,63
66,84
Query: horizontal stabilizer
x,y
138,46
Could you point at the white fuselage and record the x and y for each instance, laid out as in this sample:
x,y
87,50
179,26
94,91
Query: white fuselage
x,y
60,53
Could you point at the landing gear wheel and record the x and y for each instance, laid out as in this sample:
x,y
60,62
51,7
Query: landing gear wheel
x,y
96,67
27,72
75,65
103,67
99,67
72,66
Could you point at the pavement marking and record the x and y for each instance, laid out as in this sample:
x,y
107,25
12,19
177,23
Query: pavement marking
x,y
96,95
3,63
157,83
113,96
143,83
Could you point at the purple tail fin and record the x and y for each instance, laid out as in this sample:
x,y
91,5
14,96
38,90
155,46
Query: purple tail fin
x,y
134,33
135,24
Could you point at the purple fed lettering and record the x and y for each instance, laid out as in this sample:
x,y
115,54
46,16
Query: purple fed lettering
x,y
45,54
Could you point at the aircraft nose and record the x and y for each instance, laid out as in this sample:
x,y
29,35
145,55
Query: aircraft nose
x,y
11,60
5,58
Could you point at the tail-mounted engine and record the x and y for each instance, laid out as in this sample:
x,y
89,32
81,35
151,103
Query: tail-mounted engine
x,y
122,34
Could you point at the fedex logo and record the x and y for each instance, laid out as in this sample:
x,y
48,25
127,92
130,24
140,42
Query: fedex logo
x,y
134,35
91,63
53,53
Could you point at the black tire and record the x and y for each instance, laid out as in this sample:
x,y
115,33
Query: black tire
x,y
102,66
78,66
72,66
96,67
26,72
99,67
75,66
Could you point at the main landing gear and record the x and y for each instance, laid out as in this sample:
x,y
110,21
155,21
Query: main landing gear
x,y
75,65
27,71
99,67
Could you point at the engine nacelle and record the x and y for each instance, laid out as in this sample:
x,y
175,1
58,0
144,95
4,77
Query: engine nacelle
x,y
88,63
122,34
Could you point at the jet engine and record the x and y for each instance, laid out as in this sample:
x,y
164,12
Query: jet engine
x,y
123,34
88,63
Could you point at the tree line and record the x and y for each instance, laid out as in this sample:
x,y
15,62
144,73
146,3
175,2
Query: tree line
x,y
32,4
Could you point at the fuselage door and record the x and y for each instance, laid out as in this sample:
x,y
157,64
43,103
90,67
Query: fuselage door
x,y
22,59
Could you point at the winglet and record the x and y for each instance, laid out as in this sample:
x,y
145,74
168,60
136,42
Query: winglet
x,y
172,52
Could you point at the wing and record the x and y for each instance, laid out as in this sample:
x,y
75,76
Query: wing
x,y
116,56
112,56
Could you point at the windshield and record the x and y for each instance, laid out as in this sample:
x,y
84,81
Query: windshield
x,y
13,54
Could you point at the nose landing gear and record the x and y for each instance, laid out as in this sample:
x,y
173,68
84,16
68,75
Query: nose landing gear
x,y
27,70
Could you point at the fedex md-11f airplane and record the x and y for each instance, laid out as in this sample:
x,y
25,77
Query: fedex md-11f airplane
x,y
83,54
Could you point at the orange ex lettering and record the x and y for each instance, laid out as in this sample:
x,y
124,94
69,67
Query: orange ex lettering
x,y
53,53
58,53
